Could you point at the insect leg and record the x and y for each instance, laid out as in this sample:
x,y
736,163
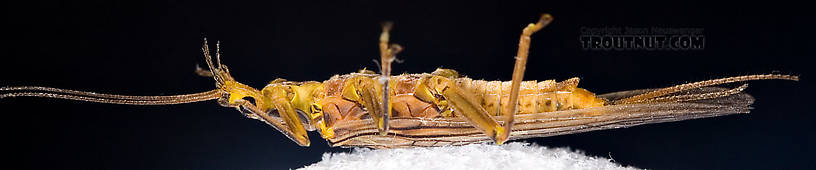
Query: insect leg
x,y
235,94
280,125
518,71
277,95
463,103
388,54
367,91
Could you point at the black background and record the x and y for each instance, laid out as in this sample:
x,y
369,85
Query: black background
x,y
151,48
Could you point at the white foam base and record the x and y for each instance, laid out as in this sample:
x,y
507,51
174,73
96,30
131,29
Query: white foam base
x,y
477,156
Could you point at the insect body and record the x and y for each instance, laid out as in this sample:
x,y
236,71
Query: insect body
x,y
439,108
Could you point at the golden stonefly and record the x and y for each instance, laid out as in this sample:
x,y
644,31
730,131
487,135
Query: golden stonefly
x,y
441,108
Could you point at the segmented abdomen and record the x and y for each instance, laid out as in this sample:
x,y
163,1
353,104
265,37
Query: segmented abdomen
x,y
534,97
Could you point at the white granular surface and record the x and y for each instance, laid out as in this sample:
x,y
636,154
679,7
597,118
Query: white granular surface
x,y
477,156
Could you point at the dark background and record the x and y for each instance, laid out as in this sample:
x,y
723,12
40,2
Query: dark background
x,y
151,48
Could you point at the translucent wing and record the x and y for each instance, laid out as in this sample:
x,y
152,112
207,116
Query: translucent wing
x,y
418,132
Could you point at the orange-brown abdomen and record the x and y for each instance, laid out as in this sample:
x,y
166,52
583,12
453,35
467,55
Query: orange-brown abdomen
x,y
534,97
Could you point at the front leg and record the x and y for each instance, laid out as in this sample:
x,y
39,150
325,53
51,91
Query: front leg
x,y
278,97
235,94
254,112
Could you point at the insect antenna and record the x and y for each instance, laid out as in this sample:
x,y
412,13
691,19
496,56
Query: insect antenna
x,y
218,72
50,92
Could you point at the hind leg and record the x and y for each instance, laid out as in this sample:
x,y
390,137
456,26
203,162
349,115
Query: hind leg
x,y
463,102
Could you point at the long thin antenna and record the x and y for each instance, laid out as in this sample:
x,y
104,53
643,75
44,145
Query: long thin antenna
x,y
50,92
